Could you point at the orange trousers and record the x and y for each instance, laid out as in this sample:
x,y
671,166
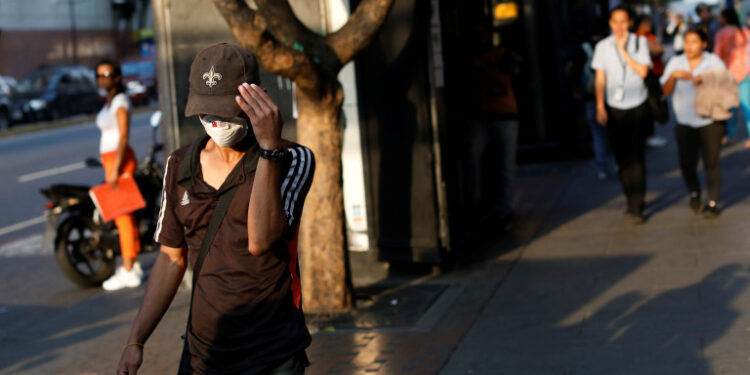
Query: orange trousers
x,y
130,241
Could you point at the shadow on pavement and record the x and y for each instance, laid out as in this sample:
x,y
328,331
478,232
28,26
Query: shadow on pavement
x,y
666,334
735,178
539,322
45,331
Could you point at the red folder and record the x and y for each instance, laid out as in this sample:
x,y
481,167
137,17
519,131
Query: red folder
x,y
112,203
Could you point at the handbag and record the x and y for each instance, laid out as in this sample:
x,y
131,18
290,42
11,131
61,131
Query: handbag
x,y
657,102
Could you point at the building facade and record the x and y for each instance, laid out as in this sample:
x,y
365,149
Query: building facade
x,y
34,33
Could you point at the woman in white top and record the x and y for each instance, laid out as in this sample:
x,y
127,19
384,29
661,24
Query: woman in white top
x,y
621,62
118,159
695,134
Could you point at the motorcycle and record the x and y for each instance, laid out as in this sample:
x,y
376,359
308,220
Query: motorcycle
x,y
86,248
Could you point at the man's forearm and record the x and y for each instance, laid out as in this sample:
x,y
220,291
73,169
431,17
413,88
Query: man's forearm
x,y
266,221
162,285
599,86
668,86
640,69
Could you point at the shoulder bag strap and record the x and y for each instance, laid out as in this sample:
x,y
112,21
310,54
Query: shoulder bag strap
x,y
213,227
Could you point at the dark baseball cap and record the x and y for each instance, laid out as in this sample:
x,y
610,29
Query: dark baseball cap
x,y
215,74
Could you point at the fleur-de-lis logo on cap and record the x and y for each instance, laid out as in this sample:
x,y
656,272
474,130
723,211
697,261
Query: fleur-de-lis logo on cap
x,y
211,77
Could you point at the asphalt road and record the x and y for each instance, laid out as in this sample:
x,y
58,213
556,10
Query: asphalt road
x,y
47,324
42,312
30,162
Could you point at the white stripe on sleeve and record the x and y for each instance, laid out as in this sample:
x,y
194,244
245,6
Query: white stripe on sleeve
x,y
290,174
298,173
301,185
163,208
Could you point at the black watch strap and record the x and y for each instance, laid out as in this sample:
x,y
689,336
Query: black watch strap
x,y
273,155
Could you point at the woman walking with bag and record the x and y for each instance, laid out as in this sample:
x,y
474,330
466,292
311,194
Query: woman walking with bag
x,y
118,159
695,134
621,104
730,45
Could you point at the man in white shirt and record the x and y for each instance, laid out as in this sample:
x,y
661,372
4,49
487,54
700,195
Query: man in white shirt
x,y
621,62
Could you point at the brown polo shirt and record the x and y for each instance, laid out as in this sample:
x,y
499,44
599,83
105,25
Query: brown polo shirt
x,y
246,312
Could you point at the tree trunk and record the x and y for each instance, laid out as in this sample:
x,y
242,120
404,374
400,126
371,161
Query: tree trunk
x,y
313,62
321,239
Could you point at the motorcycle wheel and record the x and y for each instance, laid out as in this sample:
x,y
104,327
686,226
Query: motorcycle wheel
x,y
80,260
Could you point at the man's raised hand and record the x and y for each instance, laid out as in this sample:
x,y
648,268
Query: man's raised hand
x,y
263,114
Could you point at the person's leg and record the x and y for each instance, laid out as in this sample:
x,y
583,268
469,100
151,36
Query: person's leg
x,y
127,225
639,119
127,275
729,131
476,145
687,148
620,136
507,130
129,239
599,138
710,138
744,91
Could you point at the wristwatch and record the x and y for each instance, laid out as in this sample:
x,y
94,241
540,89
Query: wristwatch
x,y
273,155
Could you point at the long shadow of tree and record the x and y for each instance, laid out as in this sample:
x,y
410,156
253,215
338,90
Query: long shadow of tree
x,y
666,334
33,336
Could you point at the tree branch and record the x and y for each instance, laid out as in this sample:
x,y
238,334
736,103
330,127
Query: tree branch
x,y
360,29
251,30
282,22
287,29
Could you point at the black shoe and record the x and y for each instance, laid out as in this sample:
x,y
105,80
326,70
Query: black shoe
x,y
696,205
711,212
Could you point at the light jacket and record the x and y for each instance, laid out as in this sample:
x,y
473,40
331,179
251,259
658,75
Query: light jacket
x,y
716,95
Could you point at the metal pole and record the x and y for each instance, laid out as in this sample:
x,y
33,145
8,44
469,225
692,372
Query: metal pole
x,y
73,36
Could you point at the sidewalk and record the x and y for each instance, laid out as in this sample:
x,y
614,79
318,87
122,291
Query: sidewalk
x,y
576,289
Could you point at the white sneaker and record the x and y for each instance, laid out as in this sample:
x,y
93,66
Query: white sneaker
x,y
138,270
122,279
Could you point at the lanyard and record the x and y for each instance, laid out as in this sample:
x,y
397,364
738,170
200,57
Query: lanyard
x,y
622,60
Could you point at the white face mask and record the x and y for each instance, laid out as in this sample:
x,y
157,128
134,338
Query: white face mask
x,y
225,133
102,92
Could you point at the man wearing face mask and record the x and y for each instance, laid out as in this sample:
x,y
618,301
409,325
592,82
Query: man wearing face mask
x,y
245,315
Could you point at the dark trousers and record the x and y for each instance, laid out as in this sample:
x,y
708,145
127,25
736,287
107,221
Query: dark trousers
x,y
706,142
497,139
602,152
626,136
295,365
